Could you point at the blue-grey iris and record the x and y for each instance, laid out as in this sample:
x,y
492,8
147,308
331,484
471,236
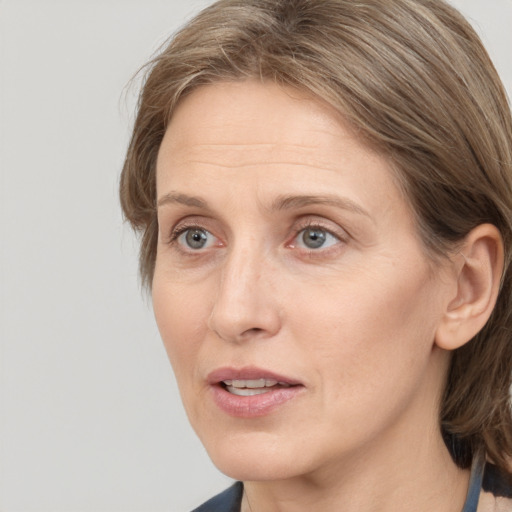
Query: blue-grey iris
x,y
314,238
196,238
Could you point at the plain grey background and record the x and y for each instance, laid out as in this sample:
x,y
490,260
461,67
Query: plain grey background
x,y
90,418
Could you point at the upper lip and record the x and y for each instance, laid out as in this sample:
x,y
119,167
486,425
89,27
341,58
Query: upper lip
x,y
248,373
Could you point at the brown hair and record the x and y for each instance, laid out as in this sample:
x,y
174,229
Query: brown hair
x,y
413,79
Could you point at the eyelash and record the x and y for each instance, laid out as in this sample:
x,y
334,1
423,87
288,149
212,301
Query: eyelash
x,y
315,226
180,230
309,225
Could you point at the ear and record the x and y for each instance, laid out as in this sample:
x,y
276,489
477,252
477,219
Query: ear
x,y
478,269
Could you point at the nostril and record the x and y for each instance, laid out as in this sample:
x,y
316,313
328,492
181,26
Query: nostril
x,y
235,317
252,330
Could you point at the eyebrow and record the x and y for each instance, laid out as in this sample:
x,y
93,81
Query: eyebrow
x,y
175,198
300,201
284,202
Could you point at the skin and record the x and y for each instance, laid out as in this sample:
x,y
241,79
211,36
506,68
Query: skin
x,y
354,321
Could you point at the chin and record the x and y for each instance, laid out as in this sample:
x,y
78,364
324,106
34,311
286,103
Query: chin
x,y
253,459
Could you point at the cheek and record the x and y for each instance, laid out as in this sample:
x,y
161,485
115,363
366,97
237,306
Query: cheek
x,y
361,334
180,319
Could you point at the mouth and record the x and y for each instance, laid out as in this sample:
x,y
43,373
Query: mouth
x,y
251,392
251,387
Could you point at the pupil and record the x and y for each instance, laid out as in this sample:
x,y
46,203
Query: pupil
x,y
196,238
313,238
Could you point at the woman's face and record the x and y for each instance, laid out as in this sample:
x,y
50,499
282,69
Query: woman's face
x,y
291,290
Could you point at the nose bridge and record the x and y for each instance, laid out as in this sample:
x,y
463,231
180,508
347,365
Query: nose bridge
x,y
243,304
243,270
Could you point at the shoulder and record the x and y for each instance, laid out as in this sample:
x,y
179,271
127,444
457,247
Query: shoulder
x,y
496,494
495,482
227,501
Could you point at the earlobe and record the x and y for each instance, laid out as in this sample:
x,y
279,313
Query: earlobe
x,y
478,268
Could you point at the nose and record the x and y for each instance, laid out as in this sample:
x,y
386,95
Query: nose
x,y
245,305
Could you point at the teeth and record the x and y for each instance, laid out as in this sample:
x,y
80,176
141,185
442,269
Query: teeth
x,y
246,391
251,384
250,387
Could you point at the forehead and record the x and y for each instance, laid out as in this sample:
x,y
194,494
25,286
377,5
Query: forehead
x,y
270,139
250,121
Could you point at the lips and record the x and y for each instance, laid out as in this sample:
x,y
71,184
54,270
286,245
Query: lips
x,y
251,392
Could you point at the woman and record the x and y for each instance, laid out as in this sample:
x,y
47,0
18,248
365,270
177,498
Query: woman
x,y
324,193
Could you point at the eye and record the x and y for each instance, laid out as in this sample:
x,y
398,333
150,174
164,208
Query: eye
x,y
315,237
195,238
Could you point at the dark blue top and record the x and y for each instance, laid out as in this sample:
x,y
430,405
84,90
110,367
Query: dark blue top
x,y
229,500
484,477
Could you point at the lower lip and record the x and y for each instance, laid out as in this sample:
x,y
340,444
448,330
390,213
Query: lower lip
x,y
256,405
